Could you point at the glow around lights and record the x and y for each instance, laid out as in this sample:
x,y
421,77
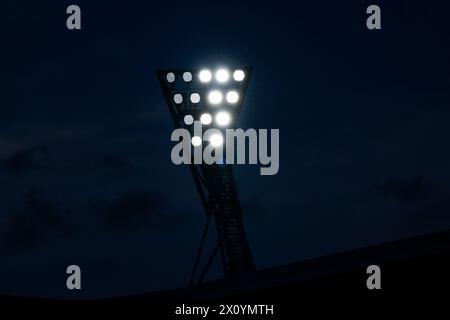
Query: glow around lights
x,y
215,97
196,141
232,97
206,119
216,140
205,76
239,75
223,118
222,75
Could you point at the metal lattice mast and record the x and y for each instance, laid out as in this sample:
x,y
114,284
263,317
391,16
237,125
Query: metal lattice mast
x,y
215,183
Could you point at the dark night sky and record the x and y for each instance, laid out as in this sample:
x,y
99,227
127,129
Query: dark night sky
x,y
85,167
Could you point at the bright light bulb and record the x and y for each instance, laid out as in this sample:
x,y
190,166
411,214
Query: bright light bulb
x,y
195,98
222,75
216,139
239,75
232,97
223,118
205,76
196,141
188,119
187,76
206,119
170,77
178,98
215,97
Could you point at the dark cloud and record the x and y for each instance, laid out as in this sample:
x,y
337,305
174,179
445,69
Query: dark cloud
x,y
167,221
137,209
415,204
426,214
130,210
25,160
115,162
36,221
407,190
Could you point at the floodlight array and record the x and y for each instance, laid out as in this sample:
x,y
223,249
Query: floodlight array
x,y
214,97
220,76
210,96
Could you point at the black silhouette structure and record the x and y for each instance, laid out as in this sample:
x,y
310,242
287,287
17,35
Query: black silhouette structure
x,y
190,94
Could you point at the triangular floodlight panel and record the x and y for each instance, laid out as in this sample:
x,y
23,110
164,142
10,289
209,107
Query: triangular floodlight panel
x,y
185,94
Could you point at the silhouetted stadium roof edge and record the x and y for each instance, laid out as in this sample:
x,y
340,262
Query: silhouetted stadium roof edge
x,y
389,253
422,246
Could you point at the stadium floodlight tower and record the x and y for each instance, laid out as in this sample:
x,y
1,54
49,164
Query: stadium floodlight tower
x,y
215,98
